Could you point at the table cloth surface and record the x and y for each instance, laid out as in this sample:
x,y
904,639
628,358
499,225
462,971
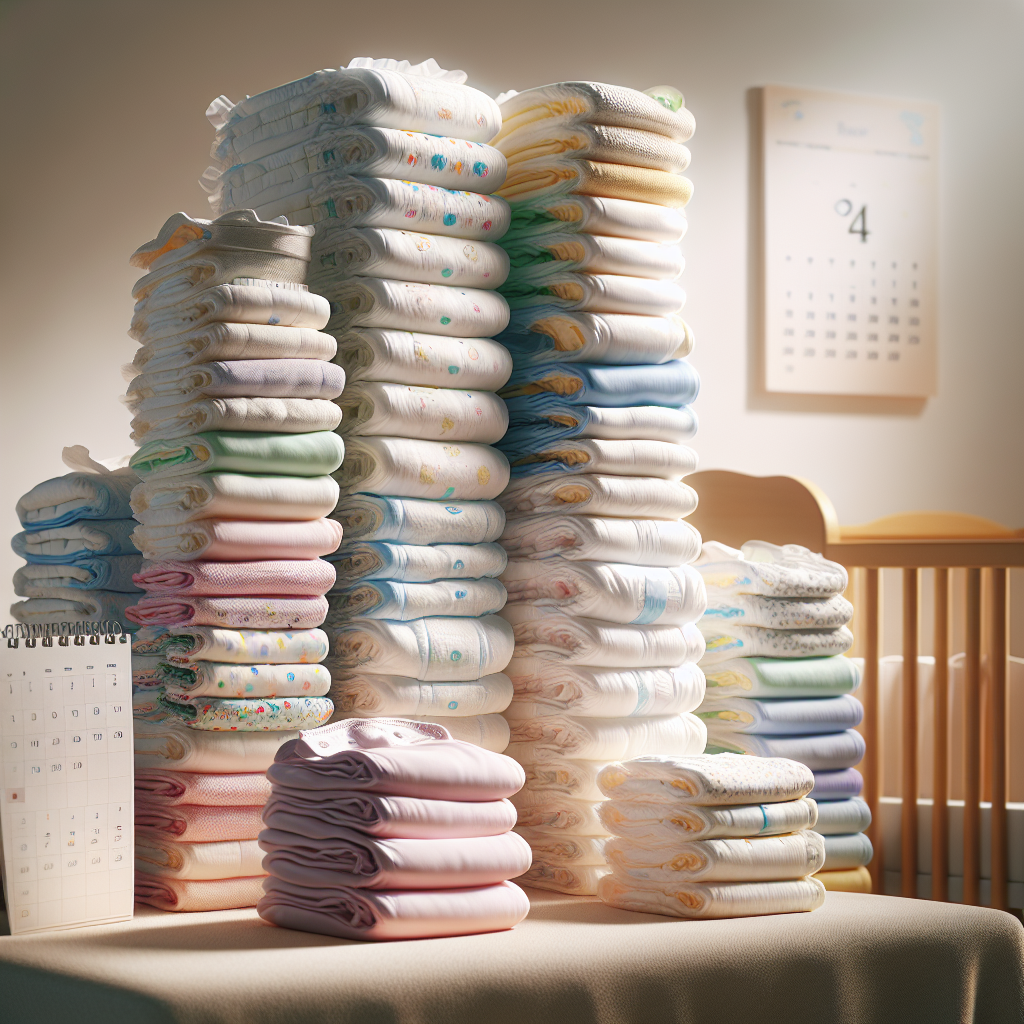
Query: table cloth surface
x,y
573,960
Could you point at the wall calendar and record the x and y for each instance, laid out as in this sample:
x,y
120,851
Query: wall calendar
x,y
850,244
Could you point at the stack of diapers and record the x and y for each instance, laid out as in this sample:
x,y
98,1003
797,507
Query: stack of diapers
x,y
411,270
199,793
233,394
778,684
77,543
711,836
601,598
390,829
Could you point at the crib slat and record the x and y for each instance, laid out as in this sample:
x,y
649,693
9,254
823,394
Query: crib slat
x,y
871,765
998,653
940,742
972,741
908,823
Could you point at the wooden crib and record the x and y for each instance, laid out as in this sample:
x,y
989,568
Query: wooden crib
x,y
735,508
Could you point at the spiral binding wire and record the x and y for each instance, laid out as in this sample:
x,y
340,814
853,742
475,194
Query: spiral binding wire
x,y
65,632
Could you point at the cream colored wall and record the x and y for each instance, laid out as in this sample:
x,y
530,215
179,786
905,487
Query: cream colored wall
x,y
104,136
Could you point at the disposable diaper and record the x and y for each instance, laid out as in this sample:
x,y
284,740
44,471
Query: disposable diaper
x,y
411,468
549,334
599,495
245,301
183,237
232,540
781,717
438,649
110,572
631,146
366,694
558,424
390,599
547,687
444,414
351,202
603,739
783,677
217,341
541,632
661,459
315,454
618,218
407,256
596,293
408,306
778,612
636,541
644,821
575,103
403,357
530,388
417,563
372,92
370,517
725,642
549,177
614,592
84,539
539,259
165,502
770,570
242,378
759,858
258,415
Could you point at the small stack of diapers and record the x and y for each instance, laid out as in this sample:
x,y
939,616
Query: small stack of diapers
x,y
389,829
601,598
711,836
778,684
76,541
390,164
198,793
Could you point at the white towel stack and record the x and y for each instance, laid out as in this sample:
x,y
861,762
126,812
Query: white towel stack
x,y
779,685
232,390
410,268
601,598
711,836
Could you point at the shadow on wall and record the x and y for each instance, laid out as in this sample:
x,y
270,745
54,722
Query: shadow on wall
x,y
757,396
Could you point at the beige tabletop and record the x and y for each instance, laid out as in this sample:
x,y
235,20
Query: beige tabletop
x,y
858,959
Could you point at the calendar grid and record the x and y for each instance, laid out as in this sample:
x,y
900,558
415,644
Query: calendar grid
x,y
67,813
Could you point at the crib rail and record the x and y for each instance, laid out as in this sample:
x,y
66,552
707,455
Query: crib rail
x,y
735,508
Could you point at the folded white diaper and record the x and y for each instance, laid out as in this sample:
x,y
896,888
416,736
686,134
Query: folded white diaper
x,y
422,469
403,357
370,517
614,592
403,410
408,306
578,537
406,256
550,687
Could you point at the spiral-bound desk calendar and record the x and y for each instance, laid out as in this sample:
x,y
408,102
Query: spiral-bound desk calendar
x,y
66,813
850,244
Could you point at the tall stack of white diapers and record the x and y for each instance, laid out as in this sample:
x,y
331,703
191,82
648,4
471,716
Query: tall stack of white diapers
x,y
389,163
601,597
